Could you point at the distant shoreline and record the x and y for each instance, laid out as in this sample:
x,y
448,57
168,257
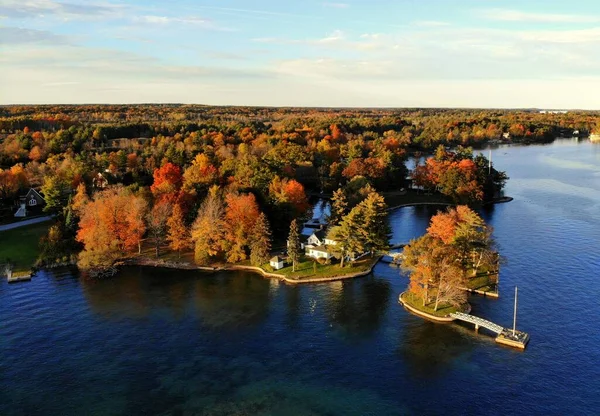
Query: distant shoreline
x,y
502,200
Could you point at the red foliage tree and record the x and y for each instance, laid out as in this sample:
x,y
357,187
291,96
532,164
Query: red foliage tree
x,y
167,182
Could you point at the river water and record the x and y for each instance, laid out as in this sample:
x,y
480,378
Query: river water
x,y
152,341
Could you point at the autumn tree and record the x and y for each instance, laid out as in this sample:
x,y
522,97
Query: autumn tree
x,y
110,226
293,244
289,192
178,233
157,219
435,276
241,214
167,182
457,243
260,241
8,184
80,199
200,174
208,228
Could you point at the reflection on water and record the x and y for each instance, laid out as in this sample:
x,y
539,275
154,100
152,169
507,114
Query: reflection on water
x,y
220,300
431,349
358,309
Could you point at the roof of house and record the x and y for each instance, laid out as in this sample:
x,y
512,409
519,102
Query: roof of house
x,y
320,234
35,192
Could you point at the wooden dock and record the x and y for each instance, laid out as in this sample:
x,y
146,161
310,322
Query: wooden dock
x,y
504,336
19,276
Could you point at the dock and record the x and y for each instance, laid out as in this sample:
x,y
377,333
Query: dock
x,y
504,336
19,276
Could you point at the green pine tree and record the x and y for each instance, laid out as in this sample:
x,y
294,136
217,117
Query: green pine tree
x,y
294,248
339,207
374,228
260,243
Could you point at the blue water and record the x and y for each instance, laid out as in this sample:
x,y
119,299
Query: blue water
x,y
165,342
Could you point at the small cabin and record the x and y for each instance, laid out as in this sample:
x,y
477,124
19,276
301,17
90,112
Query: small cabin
x,y
32,201
277,263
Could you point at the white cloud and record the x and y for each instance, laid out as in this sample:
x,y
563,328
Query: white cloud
x,y
25,9
20,36
165,20
520,16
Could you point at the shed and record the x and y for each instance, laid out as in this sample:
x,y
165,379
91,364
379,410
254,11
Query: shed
x,y
277,263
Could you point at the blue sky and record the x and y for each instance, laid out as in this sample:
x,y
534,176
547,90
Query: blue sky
x,y
390,53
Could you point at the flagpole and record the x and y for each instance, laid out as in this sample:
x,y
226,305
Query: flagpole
x,y
515,314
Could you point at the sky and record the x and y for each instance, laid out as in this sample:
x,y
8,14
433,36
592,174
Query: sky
x,y
339,53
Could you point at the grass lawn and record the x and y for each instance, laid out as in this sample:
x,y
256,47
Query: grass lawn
x,y
21,245
417,303
483,282
394,199
306,269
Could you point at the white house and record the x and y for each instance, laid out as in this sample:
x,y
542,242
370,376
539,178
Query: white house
x,y
319,252
276,263
317,238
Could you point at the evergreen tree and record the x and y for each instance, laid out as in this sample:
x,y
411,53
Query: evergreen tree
x,y
339,207
374,229
260,243
294,249
348,235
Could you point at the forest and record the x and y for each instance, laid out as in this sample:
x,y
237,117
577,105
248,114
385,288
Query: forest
x,y
226,181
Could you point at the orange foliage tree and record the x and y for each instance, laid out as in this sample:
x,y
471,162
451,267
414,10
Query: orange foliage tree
x,y
241,214
289,191
178,234
110,226
457,242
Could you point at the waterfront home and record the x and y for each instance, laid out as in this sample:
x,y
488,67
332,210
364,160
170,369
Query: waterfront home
x,y
317,238
319,252
317,245
31,202
277,263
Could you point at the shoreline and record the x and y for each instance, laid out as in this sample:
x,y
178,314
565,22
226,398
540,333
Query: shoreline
x,y
415,311
502,200
143,262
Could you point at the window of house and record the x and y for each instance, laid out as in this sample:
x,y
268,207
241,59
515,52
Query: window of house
x,y
32,202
